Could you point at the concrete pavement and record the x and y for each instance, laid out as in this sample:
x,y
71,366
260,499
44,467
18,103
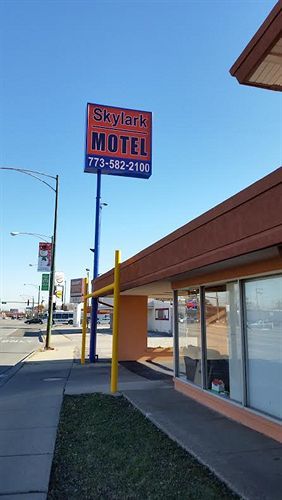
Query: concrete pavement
x,y
17,341
248,462
30,405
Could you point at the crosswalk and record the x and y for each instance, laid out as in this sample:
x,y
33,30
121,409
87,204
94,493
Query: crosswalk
x,y
11,340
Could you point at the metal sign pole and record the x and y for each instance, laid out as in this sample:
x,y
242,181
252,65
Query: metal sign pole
x,y
52,273
109,151
94,301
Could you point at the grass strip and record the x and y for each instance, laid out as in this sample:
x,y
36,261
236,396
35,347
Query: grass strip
x,y
106,449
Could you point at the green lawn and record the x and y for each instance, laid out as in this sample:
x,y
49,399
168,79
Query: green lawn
x,y
106,449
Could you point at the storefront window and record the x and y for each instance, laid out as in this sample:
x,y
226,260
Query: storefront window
x,y
234,342
224,325
189,336
263,302
223,341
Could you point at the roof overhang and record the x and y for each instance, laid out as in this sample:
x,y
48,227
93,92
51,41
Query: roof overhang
x,y
260,64
163,289
241,231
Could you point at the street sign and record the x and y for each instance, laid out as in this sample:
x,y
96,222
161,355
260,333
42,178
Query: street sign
x,y
44,256
118,141
45,283
76,290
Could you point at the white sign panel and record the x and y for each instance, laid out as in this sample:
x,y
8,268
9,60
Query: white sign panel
x,y
59,278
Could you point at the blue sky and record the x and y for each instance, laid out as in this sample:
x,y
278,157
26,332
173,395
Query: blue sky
x,y
211,136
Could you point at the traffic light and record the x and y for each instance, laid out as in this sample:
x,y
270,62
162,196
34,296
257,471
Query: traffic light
x,y
27,303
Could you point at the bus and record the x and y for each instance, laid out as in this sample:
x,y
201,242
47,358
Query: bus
x,y
60,317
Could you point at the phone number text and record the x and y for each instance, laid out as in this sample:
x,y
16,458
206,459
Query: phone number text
x,y
131,166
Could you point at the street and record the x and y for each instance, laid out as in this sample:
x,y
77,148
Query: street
x,y
17,341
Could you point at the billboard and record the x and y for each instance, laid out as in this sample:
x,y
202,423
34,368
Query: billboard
x,y
118,141
76,290
44,256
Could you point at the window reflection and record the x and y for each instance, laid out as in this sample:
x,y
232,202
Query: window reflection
x,y
223,341
189,335
224,325
264,344
217,353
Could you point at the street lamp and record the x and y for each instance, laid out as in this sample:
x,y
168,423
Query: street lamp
x,y
41,237
37,175
38,298
26,299
37,235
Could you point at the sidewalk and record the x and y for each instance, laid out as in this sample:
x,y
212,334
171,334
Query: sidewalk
x,y
30,403
250,463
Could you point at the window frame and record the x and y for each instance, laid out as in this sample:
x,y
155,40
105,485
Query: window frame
x,y
243,336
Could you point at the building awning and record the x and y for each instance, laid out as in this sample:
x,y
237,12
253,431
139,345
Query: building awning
x,y
227,237
260,63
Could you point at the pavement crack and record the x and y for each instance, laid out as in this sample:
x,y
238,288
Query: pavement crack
x,y
27,454
18,493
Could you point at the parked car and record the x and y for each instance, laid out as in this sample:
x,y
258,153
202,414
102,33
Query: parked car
x,y
32,321
103,320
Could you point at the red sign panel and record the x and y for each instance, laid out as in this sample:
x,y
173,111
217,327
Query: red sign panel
x,y
118,141
44,257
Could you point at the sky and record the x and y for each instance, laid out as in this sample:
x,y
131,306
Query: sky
x,y
211,136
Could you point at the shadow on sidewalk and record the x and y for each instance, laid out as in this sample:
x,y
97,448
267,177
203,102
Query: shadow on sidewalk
x,y
34,334
145,371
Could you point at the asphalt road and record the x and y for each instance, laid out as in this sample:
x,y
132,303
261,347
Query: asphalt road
x,y
17,341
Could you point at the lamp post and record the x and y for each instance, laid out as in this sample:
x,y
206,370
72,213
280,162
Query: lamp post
x,y
37,235
27,299
51,283
38,297
64,294
37,175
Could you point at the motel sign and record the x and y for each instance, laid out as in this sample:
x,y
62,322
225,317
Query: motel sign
x,y
118,141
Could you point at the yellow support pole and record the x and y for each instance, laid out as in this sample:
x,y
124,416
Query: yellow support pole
x,y
101,291
84,321
114,367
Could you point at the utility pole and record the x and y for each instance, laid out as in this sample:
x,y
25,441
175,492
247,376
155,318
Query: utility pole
x,y
52,272
38,301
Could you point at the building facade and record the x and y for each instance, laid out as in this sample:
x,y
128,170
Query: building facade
x,y
223,272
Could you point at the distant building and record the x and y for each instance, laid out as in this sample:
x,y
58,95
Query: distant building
x,y
160,316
